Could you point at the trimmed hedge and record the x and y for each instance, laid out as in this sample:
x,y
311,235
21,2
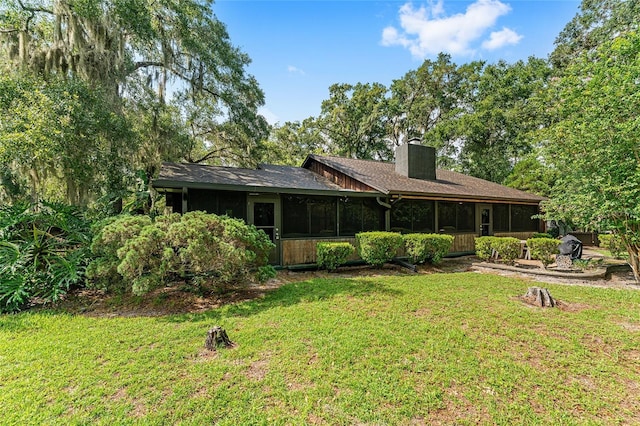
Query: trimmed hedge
x,y
544,249
331,255
541,235
508,248
484,247
427,247
376,248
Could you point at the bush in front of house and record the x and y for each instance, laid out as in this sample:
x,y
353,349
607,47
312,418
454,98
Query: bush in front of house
x,y
484,247
509,248
43,252
613,243
333,254
134,253
544,249
110,235
378,247
541,235
427,247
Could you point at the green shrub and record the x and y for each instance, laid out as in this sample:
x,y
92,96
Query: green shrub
x,y
43,252
484,247
332,255
111,234
541,235
613,243
588,264
136,254
427,247
543,249
376,248
509,248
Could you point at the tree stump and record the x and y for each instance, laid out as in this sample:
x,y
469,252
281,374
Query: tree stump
x,y
539,297
216,338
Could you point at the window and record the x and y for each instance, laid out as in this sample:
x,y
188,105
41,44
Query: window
x,y
372,215
232,204
174,200
521,218
360,214
423,216
466,217
501,217
412,216
447,217
401,217
308,216
456,217
228,203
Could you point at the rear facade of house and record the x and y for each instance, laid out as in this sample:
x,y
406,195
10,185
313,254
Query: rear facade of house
x,y
333,198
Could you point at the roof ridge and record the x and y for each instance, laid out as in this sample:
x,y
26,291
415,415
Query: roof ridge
x,y
354,159
208,165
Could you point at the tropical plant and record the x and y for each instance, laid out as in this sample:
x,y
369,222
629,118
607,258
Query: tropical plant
x,y
44,253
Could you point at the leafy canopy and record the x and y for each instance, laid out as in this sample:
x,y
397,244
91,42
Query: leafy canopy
x,y
594,144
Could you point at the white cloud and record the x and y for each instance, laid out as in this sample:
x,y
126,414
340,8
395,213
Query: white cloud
x,y
269,115
295,70
498,39
428,31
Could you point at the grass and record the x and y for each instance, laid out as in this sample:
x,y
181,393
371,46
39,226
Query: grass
x,y
409,349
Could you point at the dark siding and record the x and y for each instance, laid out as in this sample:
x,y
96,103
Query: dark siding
x,y
338,177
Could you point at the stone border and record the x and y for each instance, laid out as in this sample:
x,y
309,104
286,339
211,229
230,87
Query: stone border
x,y
597,274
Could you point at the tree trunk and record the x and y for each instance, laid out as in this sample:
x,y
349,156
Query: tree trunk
x,y
217,337
634,252
634,262
539,297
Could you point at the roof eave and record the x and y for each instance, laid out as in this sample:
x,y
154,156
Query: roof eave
x,y
455,197
162,185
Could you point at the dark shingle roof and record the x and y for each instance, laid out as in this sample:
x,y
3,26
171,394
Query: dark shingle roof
x,y
383,177
265,178
379,175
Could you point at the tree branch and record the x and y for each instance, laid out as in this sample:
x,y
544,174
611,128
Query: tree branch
x,y
208,155
145,64
34,9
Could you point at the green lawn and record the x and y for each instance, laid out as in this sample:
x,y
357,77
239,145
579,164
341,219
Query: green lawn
x,y
407,349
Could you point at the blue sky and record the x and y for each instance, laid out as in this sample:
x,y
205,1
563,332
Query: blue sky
x,y
300,48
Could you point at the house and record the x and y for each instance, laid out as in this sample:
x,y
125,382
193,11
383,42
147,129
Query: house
x,y
333,198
